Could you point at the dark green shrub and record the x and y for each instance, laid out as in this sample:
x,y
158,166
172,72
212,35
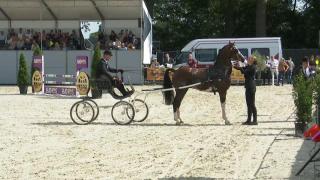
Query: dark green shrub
x,y
23,75
303,96
95,60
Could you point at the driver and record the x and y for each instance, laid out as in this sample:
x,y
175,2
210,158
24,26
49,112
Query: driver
x,y
104,70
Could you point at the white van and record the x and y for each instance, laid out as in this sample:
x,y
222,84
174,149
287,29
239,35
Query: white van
x,y
206,50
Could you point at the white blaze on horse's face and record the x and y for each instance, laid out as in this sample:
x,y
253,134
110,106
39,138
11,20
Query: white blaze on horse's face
x,y
239,54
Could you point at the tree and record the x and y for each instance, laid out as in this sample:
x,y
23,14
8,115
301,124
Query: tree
x,y
261,18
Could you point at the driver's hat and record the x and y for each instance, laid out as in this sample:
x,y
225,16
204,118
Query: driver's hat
x,y
107,52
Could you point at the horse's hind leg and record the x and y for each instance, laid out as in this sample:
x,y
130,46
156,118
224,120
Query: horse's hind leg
x,y
180,93
223,107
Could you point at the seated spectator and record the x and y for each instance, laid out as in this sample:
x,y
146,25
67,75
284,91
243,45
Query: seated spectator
x,y
113,36
131,47
20,44
123,47
20,33
13,42
130,37
34,45
3,38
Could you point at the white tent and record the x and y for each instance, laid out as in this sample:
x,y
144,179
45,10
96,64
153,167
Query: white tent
x,y
70,9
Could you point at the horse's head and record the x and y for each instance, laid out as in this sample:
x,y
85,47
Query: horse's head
x,y
231,52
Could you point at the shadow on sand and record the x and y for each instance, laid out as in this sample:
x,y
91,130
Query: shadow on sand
x,y
56,123
307,149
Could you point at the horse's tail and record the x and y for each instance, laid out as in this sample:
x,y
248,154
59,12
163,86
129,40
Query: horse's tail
x,y
167,83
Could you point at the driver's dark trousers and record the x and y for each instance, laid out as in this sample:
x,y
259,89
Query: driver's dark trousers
x,y
250,99
119,85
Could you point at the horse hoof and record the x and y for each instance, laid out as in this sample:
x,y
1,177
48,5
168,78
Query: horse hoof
x,y
178,123
181,122
227,123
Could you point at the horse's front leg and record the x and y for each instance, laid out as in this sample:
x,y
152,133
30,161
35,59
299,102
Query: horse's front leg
x,y
223,107
176,104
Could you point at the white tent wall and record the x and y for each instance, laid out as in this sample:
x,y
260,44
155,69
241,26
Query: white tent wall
x,y
66,15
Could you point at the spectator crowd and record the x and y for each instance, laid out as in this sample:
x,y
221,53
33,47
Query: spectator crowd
x,y
29,39
279,71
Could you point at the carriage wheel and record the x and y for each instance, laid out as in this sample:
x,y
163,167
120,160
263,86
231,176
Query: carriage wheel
x,y
82,113
141,110
95,108
122,113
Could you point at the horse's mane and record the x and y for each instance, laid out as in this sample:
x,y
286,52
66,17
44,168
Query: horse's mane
x,y
219,57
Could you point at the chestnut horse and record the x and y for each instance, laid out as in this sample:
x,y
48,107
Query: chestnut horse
x,y
214,79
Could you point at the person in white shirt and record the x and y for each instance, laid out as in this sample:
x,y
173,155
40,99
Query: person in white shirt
x,y
307,70
273,64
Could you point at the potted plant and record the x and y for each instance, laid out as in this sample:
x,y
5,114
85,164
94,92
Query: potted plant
x,y
302,96
95,91
261,65
316,87
23,76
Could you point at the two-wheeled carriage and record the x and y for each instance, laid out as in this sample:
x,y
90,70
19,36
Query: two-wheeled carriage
x,y
123,112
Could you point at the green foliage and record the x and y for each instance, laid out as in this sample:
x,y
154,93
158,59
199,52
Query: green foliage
x,y
23,76
37,51
261,61
95,60
302,95
316,87
177,22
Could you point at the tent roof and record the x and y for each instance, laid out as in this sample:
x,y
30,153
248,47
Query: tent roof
x,y
69,9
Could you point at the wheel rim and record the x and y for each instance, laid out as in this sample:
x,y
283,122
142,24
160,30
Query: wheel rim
x,y
122,113
83,114
141,110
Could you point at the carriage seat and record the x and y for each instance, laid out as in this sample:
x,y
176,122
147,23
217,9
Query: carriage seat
x,y
107,86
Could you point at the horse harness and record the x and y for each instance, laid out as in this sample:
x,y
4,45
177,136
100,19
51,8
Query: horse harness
x,y
213,74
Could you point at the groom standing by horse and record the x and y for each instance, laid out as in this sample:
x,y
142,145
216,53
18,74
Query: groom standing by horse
x,y
214,79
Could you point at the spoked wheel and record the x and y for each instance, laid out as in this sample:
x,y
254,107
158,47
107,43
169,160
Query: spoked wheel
x,y
82,113
141,110
95,108
122,113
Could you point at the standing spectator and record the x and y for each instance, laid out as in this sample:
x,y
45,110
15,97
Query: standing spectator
x,y
290,70
266,74
306,69
273,64
167,60
312,62
282,68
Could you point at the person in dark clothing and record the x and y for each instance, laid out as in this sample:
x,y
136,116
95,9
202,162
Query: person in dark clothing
x,y
104,70
249,73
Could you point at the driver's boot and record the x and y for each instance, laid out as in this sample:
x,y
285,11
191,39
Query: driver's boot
x,y
123,90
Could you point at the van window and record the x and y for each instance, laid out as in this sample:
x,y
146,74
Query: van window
x,y
244,52
261,51
206,55
182,58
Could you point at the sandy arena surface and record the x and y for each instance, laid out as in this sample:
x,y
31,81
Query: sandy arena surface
x,y
38,140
